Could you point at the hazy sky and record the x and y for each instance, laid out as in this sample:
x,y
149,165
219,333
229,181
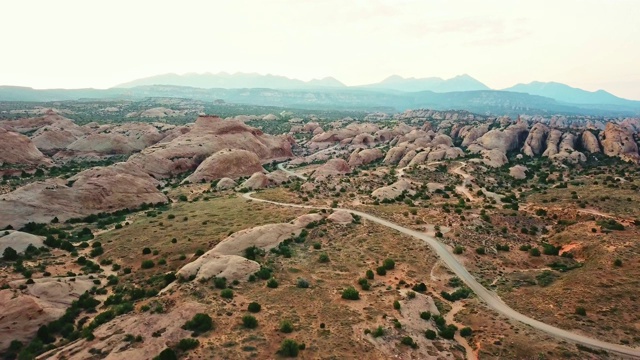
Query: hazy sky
x,y
591,44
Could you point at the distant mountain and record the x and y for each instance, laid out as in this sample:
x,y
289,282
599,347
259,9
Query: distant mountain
x,y
435,84
567,94
347,98
233,81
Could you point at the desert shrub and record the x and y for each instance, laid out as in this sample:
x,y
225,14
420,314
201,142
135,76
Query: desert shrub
x,y
324,258
389,264
379,331
617,263
272,283
199,252
226,294
317,246
264,273
286,326
480,251
448,332
466,331
200,323
188,344
249,321
461,293
501,247
364,283
408,340
396,305
421,287
411,295
350,293
534,252
302,283
455,282
289,348
581,311
166,354
549,249
458,250
546,278
220,282
425,315
369,274
96,251
430,334
381,270
254,307
147,264
146,251
10,254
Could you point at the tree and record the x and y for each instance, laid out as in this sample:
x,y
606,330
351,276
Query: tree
x,y
381,271
220,282
272,283
408,340
425,315
369,274
249,321
147,264
289,348
10,254
350,293
226,294
146,251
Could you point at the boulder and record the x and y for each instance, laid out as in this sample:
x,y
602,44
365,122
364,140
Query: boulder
x,y
589,142
534,145
393,191
364,157
225,184
332,167
518,172
257,181
19,241
212,264
340,217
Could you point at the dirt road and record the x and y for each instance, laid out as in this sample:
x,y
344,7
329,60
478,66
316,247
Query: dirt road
x,y
490,298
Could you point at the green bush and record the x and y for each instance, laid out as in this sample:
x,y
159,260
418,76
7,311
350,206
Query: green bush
x,y
286,326
302,283
378,332
466,331
369,274
617,263
396,305
458,249
581,311
324,258
350,293
480,251
289,348
200,323
381,271
254,307
430,334
389,264
408,340
272,283
10,254
220,282
534,252
249,321
448,332
146,251
226,294
166,354
147,264
425,315
188,344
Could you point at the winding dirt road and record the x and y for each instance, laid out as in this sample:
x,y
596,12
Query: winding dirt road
x,y
489,297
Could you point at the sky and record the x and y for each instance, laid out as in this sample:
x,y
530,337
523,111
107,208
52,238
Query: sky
x,y
591,44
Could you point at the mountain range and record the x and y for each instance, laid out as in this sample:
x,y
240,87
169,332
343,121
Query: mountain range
x,y
395,92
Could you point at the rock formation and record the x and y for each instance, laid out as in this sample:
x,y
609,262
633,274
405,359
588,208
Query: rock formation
x,y
232,163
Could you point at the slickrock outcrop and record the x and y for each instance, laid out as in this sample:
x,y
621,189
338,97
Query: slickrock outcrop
x,y
534,145
332,167
99,189
232,163
340,217
225,183
553,142
257,181
518,172
207,136
19,241
589,142
363,157
618,141
18,149
212,264
393,191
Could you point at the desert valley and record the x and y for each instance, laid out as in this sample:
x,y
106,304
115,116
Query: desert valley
x,y
419,234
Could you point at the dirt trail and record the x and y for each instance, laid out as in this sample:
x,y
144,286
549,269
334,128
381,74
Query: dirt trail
x,y
489,297
455,308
